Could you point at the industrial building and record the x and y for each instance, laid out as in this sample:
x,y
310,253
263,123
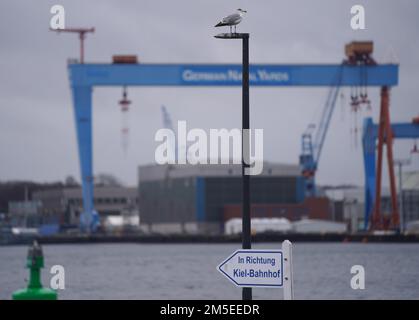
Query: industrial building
x,y
318,226
349,202
200,198
410,185
63,206
282,225
25,213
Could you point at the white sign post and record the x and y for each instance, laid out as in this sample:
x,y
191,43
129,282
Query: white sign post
x,y
261,268
288,278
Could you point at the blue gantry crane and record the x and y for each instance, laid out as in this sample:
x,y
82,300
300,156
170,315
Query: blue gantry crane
x,y
84,77
370,135
312,140
311,148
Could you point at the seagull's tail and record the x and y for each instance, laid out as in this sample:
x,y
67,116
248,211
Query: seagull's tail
x,y
220,24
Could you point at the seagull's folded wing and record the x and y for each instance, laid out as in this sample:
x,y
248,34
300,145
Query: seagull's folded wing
x,y
220,24
232,18
229,20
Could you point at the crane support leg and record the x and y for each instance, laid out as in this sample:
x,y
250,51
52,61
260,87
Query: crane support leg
x,y
390,163
385,136
376,219
82,98
368,144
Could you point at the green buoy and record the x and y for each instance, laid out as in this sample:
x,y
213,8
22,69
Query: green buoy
x,y
35,291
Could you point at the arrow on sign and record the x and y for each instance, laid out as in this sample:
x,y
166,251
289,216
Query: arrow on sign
x,y
254,268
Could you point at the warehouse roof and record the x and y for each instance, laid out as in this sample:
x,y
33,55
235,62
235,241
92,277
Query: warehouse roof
x,y
155,172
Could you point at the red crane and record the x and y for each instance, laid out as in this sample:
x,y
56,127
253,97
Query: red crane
x,y
82,35
385,137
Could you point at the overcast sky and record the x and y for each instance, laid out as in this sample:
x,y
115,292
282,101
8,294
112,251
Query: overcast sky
x,y
37,131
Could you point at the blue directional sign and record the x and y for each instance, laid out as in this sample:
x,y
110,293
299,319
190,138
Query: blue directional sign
x,y
254,268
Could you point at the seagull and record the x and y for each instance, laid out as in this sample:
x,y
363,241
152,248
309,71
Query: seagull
x,y
232,20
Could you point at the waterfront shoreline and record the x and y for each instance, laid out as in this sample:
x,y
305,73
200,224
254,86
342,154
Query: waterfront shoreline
x,y
190,239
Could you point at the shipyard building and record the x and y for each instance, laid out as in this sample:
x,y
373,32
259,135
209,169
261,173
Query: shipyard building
x,y
201,198
58,208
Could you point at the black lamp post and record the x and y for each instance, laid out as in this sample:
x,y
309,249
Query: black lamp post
x,y
246,231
